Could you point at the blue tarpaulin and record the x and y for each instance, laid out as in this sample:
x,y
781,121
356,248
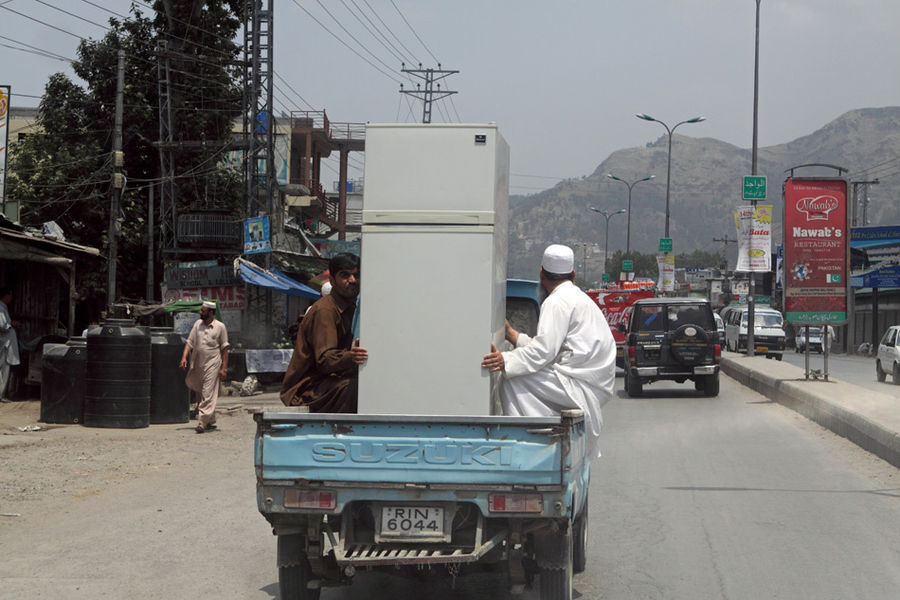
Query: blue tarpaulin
x,y
274,279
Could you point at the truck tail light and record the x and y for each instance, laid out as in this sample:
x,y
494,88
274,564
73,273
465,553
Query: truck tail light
x,y
309,499
718,353
631,358
516,503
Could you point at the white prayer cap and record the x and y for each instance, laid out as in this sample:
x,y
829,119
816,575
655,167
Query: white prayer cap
x,y
209,304
558,259
326,288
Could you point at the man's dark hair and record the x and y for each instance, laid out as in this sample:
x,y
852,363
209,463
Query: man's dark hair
x,y
5,290
342,262
558,276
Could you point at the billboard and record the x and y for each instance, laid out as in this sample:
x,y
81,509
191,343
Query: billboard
x,y
256,235
666,265
754,233
816,244
875,257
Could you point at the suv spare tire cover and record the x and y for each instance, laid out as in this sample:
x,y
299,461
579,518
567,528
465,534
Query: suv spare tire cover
x,y
690,344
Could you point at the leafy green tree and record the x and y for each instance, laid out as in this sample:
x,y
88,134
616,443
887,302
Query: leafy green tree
x,y
63,173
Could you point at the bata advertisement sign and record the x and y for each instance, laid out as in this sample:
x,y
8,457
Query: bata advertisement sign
x,y
815,250
754,232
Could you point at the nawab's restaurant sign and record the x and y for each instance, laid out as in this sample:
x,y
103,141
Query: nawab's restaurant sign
x,y
816,239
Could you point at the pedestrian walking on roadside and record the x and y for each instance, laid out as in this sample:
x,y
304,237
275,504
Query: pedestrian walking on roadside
x,y
207,346
9,341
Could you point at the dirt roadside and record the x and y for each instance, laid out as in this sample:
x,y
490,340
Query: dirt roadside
x,y
156,512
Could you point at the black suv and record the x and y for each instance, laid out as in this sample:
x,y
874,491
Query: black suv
x,y
675,339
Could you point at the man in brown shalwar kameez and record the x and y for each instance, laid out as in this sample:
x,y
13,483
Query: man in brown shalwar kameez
x,y
322,374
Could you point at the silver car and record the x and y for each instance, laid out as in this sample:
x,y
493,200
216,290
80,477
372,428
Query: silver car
x,y
888,359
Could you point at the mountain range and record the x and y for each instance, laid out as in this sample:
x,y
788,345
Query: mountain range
x,y
706,187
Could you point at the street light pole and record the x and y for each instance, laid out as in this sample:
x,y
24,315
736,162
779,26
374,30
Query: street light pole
x,y
630,185
647,117
608,215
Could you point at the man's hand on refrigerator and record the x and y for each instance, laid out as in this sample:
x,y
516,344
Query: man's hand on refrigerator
x,y
493,361
358,354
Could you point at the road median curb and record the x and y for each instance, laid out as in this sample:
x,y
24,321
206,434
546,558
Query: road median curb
x,y
868,419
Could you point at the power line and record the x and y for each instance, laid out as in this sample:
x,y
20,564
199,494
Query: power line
x,y
4,7
414,32
284,81
391,31
48,53
36,52
364,47
335,36
106,9
72,14
366,27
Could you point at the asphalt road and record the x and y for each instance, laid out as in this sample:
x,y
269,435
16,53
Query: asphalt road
x,y
730,497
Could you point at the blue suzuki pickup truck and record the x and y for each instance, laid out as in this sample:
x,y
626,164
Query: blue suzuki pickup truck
x,y
441,496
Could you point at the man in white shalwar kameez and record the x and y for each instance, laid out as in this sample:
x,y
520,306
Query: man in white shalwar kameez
x,y
570,363
208,346
9,342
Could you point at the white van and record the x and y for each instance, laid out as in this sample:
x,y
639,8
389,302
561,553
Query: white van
x,y
768,334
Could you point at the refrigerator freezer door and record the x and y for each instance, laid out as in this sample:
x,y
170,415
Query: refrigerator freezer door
x,y
432,300
436,167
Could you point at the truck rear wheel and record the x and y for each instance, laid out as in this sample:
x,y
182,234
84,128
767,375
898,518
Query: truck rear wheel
x,y
294,572
580,537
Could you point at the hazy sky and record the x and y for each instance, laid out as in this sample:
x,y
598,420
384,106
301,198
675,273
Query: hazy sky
x,y
563,79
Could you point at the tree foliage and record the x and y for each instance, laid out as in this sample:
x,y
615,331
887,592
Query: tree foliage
x,y
63,172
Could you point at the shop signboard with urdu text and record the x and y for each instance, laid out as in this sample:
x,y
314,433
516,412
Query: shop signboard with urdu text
x,y
816,243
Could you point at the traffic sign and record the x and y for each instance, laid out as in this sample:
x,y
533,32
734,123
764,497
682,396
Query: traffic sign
x,y
755,187
627,265
665,244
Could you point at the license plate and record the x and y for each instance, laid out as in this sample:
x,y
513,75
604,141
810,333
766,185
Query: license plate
x,y
412,521
762,349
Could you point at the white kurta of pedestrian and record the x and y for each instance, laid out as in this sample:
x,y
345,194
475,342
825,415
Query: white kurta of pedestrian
x,y
9,347
570,363
207,343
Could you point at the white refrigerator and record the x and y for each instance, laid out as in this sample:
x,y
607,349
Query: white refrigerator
x,y
433,271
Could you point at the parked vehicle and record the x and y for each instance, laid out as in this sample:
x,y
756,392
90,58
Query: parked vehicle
x,y
888,357
720,327
672,339
814,343
768,333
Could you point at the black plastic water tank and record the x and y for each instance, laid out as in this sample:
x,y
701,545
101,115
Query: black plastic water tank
x,y
117,378
170,400
62,381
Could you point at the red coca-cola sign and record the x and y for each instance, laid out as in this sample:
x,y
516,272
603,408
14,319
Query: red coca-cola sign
x,y
614,304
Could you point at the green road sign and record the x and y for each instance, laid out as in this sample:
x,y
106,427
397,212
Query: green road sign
x,y
665,244
754,187
605,278
627,265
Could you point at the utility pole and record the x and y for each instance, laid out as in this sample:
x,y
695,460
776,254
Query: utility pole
x,y
751,317
117,185
725,240
150,233
427,95
855,220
